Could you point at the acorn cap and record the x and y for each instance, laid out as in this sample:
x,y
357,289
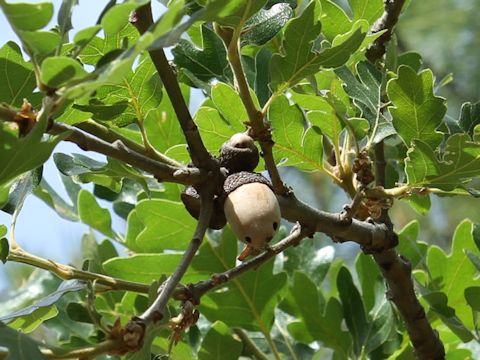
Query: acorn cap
x,y
239,153
238,179
191,200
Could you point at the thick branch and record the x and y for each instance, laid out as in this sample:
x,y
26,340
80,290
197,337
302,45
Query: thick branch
x,y
118,150
371,236
142,19
387,22
395,268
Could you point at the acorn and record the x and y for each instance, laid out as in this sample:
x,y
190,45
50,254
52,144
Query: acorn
x,y
252,210
239,153
191,200
248,203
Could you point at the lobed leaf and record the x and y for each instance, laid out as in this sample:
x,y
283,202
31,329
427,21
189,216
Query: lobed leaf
x,y
417,112
458,165
299,61
219,344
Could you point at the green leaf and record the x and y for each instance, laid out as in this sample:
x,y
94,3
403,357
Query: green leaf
x,y
139,91
334,20
206,63
353,309
20,347
213,128
58,70
21,189
219,344
369,10
381,324
30,317
16,74
265,24
29,17
41,43
469,117
228,103
316,322
294,145
458,165
4,248
408,245
18,156
472,295
453,273
93,215
170,216
366,94
147,268
328,123
27,324
116,17
371,280
299,60
84,170
64,17
417,112
438,303
162,126
474,259
250,300
233,13
84,36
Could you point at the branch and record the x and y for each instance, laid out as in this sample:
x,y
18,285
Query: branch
x,y
142,19
259,129
387,22
119,151
89,352
196,291
372,236
395,268
67,272
138,325
106,134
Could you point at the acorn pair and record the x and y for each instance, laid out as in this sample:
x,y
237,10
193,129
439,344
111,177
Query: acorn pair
x,y
248,203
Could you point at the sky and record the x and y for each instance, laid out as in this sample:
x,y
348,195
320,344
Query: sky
x,y
39,229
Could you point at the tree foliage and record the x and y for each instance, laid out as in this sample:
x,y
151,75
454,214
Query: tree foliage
x,y
301,77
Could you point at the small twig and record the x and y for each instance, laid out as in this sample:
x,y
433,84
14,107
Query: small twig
x,y
138,325
67,272
89,352
94,128
142,19
119,151
259,129
199,289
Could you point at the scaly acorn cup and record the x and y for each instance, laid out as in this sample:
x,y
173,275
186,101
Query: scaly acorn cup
x,y
239,153
252,210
